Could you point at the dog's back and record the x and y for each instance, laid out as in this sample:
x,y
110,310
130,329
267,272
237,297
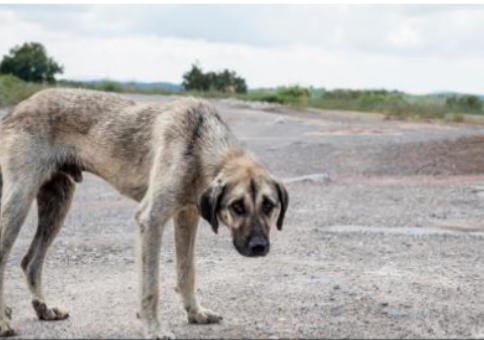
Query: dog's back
x,y
77,130
66,110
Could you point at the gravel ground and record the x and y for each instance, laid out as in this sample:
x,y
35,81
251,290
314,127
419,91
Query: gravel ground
x,y
383,239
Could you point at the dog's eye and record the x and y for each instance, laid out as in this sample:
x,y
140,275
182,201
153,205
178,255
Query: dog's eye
x,y
238,207
267,206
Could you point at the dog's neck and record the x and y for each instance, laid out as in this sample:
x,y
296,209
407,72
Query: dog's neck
x,y
224,153
232,156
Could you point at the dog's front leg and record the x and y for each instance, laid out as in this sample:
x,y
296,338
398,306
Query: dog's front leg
x,y
186,223
151,225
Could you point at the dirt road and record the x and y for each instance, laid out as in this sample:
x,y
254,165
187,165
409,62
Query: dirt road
x,y
384,238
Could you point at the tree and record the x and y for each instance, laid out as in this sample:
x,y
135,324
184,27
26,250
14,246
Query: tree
x,y
224,81
30,63
195,79
240,85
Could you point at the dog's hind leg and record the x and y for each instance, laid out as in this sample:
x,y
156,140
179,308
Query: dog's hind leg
x,y
17,196
186,224
53,201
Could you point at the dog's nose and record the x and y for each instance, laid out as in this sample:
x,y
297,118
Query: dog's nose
x,y
258,246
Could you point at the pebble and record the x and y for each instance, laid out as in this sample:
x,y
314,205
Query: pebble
x,y
279,120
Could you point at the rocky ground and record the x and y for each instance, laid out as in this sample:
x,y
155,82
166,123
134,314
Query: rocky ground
x,y
383,239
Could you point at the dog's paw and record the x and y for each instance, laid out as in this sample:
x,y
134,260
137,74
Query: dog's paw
x,y
203,316
48,314
5,329
157,332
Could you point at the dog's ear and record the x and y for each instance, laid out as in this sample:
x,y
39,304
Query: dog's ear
x,y
284,199
209,204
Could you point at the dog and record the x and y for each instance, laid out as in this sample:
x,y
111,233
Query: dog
x,y
178,160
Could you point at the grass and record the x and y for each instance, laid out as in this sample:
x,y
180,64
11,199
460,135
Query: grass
x,y
14,90
112,86
393,104
294,96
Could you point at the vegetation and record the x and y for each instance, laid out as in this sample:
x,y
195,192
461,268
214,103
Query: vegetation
x,y
295,95
30,63
391,103
107,85
465,103
224,81
14,90
394,104
112,86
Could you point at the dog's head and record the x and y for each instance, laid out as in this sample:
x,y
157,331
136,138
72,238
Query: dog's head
x,y
249,201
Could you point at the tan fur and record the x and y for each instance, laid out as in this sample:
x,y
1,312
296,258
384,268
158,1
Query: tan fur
x,y
172,158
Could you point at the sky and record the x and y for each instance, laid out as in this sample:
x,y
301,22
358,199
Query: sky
x,y
413,48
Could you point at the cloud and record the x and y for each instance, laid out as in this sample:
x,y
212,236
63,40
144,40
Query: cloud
x,y
378,28
412,48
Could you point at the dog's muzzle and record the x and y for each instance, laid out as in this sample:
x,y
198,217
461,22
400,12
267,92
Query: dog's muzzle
x,y
253,246
258,246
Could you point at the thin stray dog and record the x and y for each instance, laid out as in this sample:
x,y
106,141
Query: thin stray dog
x,y
176,159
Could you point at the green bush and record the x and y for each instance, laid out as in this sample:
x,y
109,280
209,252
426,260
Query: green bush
x,y
292,95
108,86
263,96
464,103
454,117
